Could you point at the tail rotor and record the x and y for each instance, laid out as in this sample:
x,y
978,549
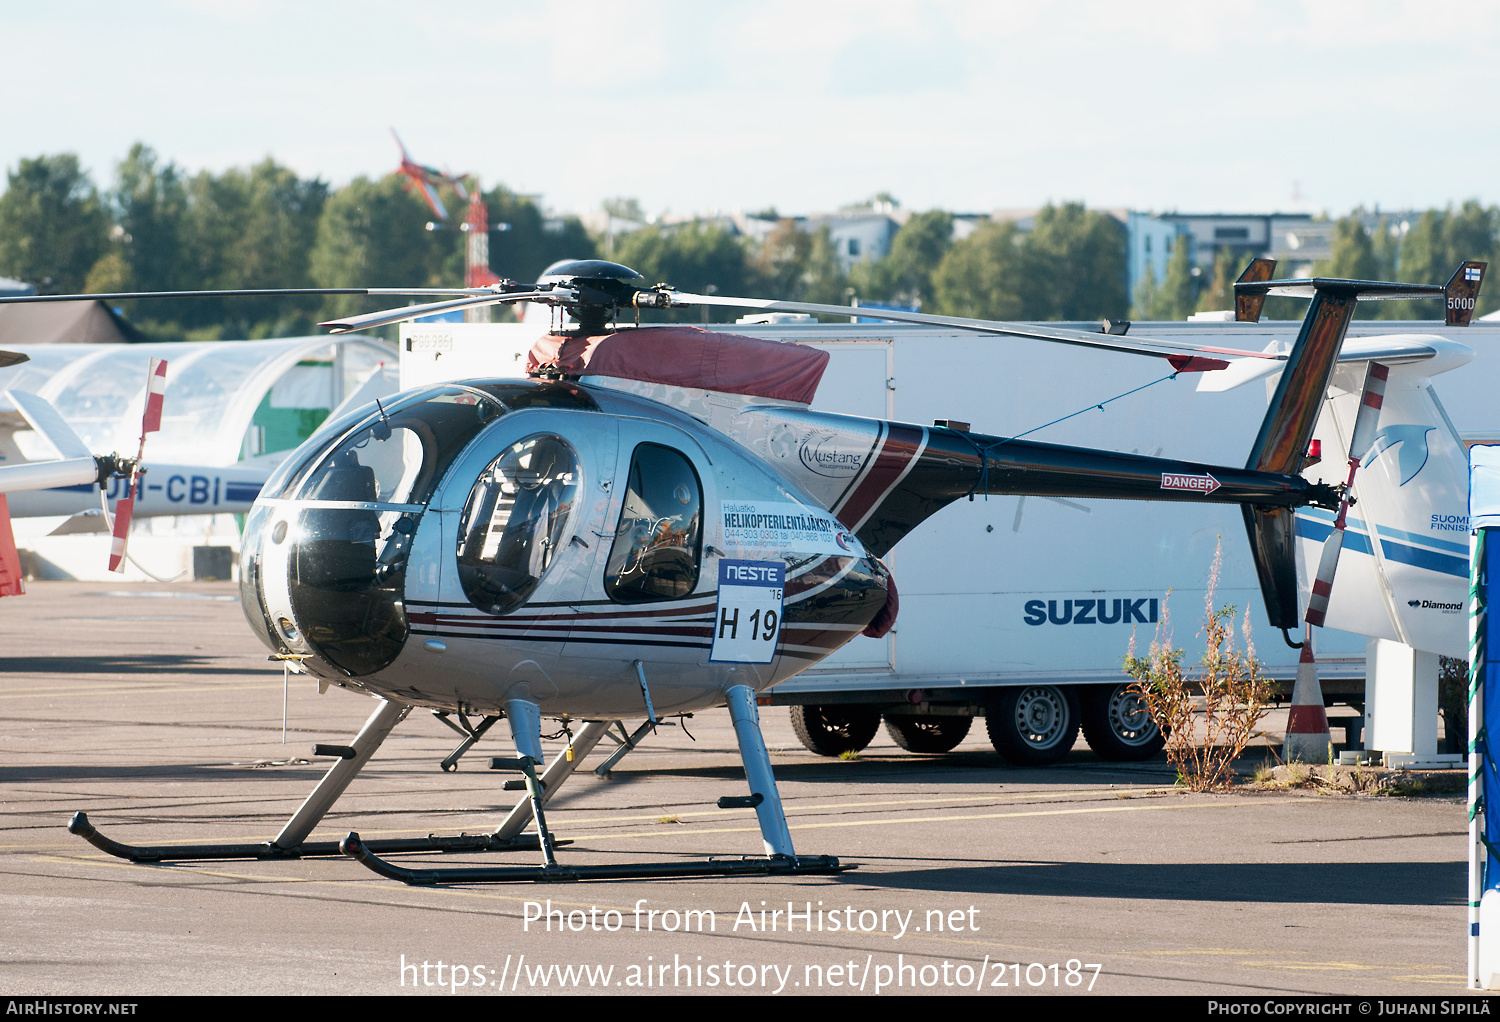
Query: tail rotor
x,y
1365,422
156,390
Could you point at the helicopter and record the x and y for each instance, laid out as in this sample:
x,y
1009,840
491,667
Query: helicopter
x,y
633,531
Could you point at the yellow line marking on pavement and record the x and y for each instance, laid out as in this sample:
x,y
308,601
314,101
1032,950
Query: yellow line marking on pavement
x,y
142,688
925,820
794,809
1316,966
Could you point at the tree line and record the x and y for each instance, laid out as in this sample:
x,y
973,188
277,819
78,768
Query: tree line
x,y
158,227
1424,251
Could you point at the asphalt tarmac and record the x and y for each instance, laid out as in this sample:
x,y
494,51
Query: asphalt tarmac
x,y
153,709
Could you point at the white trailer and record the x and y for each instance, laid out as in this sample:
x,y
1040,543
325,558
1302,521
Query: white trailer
x,y
1028,605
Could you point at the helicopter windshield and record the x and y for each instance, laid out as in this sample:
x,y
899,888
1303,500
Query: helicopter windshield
x,y
361,492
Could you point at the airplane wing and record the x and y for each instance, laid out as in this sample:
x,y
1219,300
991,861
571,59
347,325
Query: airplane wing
x,y
75,464
1395,349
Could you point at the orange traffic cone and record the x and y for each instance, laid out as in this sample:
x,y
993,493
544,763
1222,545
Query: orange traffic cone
x,y
11,581
1307,738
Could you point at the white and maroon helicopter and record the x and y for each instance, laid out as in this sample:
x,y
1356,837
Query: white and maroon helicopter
x,y
630,533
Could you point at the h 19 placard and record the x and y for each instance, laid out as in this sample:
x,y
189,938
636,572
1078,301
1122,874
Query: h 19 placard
x,y
747,621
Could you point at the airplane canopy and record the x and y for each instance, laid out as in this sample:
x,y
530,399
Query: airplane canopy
x,y
226,400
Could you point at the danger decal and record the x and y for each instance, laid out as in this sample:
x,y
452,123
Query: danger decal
x,y
1204,484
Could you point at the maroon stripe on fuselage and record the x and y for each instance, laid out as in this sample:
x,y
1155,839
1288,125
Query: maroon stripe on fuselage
x,y
605,613
901,445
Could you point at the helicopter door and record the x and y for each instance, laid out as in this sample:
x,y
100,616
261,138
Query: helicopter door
x,y
519,514
654,580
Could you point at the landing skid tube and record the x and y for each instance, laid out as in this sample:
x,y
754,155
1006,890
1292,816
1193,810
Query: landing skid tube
x,y
775,865
779,860
81,826
292,842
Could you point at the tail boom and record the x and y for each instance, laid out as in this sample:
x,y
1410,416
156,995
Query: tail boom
x,y
944,465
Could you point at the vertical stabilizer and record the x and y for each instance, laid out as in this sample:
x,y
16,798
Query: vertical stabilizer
x,y
1281,446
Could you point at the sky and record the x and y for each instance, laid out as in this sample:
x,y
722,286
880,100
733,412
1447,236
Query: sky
x,y
800,105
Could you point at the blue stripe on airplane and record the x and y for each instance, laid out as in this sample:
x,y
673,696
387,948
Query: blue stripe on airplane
x,y
1319,531
1403,553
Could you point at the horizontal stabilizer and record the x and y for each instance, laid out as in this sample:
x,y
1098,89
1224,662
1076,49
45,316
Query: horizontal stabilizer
x,y
1461,292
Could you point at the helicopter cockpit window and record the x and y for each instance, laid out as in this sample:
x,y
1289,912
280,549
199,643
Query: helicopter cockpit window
x,y
408,443
515,522
378,465
362,490
658,544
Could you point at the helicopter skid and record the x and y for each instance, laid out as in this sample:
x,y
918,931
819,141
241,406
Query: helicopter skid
x,y
81,826
772,865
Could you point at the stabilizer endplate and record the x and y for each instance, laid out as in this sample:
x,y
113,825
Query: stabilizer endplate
x,y
1461,293
1247,306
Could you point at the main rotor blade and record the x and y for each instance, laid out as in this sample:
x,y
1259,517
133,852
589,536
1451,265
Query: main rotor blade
x,y
374,319
247,293
1111,342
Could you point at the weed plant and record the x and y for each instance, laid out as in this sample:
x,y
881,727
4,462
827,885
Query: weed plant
x,y
1229,682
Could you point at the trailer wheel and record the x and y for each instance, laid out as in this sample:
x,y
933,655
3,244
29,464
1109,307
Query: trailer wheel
x,y
834,730
1117,724
1034,726
927,734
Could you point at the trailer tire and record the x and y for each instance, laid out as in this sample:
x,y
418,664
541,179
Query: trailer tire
x,y
834,730
1035,725
1117,725
924,734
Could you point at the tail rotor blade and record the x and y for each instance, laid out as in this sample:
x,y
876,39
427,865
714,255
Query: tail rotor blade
x,y
156,390
1369,412
124,508
1317,604
1365,422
